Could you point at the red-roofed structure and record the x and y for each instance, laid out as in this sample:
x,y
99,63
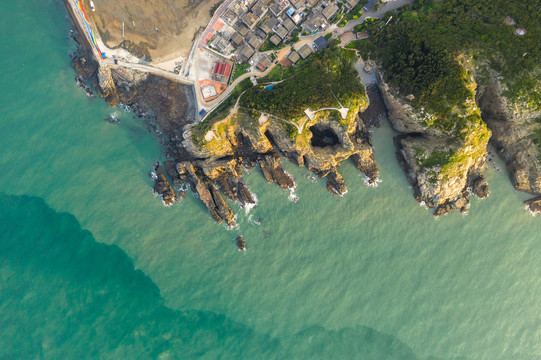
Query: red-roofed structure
x,y
209,36
222,71
219,24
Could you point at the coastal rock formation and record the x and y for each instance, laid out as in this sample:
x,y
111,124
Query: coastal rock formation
x,y
514,128
162,186
534,205
207,191
443,168
211,160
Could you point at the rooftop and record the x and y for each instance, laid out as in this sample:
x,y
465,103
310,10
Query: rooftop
x,y
293,57
254,41
369,4
246,52
288,24
236,38
275,40
305,51
264,63
242,29
321,43
259,8
250,19
350,4
281,32
315,21
330,11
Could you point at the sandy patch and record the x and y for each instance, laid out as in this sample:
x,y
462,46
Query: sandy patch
x,y
177,22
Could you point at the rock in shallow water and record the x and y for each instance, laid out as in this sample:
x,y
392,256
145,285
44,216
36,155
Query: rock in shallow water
x,y
162,186
534,205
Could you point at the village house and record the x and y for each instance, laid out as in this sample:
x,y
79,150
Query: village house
x,y
330,12
369,5
254,42
350,4
305,51
229,17
276,8
293,57
275,40
264,63
245,52
315,22
259,9
236,39
250,19
288,24
281,31
242,29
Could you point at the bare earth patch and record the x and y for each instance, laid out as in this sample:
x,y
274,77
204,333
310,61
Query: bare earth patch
x,y
177,22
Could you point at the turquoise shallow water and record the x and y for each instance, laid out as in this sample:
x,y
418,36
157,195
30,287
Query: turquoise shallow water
x,y
93,266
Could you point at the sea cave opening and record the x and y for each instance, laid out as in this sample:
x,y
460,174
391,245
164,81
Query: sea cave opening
x,y
323,136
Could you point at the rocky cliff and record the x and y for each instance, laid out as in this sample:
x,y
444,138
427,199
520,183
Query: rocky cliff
x,y
515,135
443,167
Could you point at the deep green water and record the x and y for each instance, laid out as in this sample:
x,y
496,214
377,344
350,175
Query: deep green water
x,y
93,266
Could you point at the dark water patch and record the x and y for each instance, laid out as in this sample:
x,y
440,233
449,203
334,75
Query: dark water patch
x,y
64,295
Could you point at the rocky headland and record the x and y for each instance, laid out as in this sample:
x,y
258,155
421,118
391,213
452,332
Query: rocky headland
x,y
443,167
515,135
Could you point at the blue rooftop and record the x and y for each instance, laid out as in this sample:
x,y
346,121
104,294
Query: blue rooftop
x,y
321,43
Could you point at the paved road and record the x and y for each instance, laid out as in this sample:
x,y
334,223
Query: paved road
x,y
149,69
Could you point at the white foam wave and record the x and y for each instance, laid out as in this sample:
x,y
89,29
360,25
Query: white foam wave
x,y
292,196
374,184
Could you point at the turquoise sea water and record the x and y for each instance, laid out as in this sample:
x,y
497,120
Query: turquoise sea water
x,y
93,266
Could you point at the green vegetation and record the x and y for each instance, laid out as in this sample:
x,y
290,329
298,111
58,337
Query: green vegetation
x,y
436,158
294,37
420,46
356,11
328,36
238,70
365,23
291,130
313,83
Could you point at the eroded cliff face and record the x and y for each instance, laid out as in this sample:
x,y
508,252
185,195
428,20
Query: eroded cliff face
x,y
514,129
444,169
